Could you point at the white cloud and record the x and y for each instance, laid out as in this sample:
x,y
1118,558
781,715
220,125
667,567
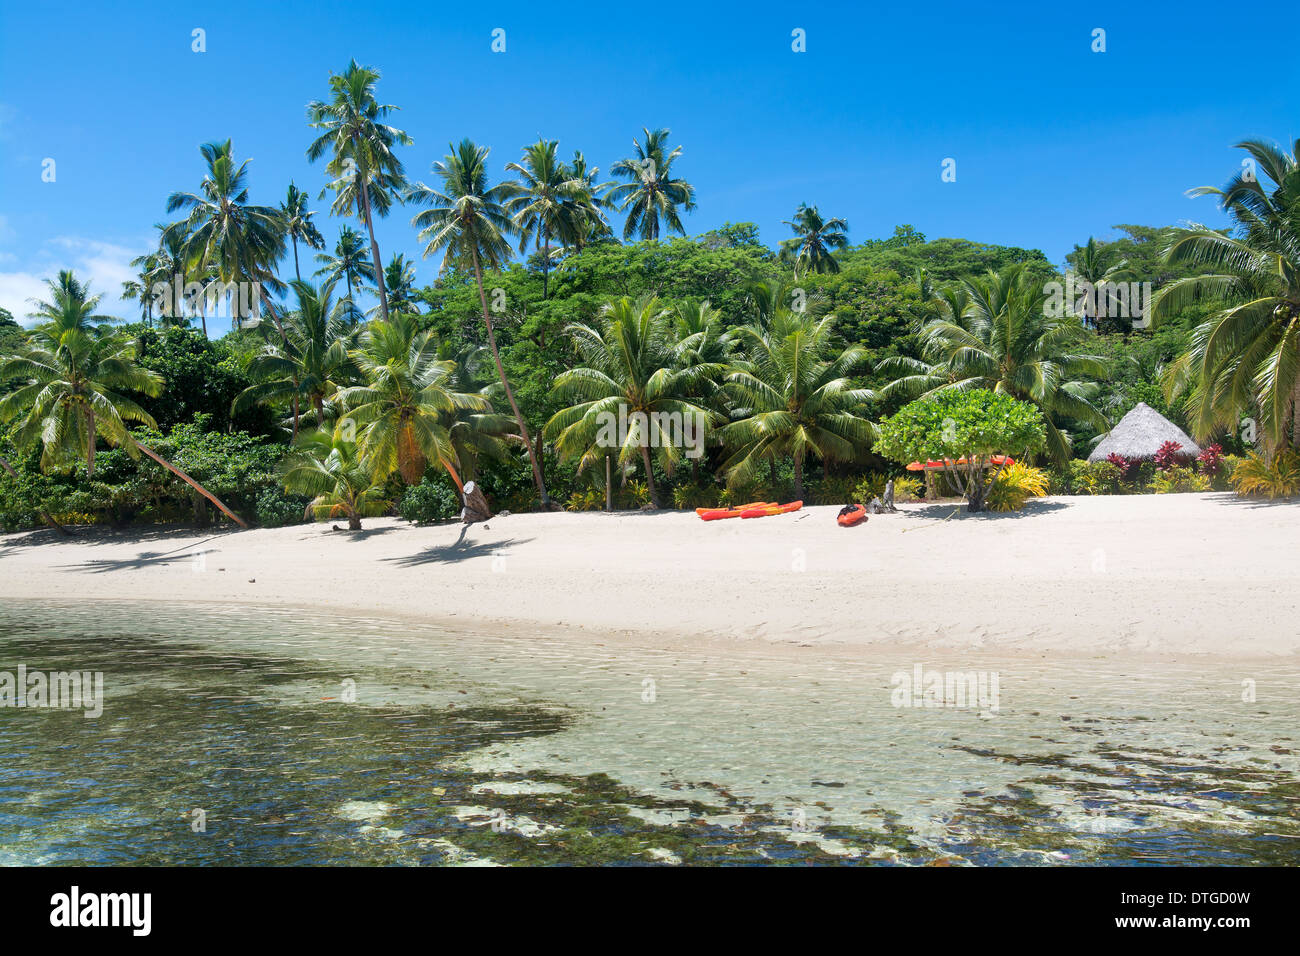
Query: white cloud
x,y
104,265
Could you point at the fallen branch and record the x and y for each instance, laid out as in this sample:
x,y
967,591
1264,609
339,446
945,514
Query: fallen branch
x,y
193,484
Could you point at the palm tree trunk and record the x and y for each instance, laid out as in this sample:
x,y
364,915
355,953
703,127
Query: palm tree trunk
x,y
45,515
90,444
374,252
319,404
193,484
505,383
546,261
650,475
295,259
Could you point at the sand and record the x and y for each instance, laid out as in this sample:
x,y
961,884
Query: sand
x,y
1166,577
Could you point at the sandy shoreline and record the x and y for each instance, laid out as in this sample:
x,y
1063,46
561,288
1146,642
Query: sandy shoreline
x,y
1145,577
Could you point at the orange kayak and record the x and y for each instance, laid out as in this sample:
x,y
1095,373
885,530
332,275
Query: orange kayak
x,y
715,514
762,511
959,463
854,515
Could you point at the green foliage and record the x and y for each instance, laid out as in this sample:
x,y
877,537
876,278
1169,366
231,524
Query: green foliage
x,y
1257,477
972,425
1015,485
429,501
275,509
1179,479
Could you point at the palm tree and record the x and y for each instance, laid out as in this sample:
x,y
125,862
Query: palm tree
x,y
168,267
632,372
551,203
349,262
399,279
1093,266
992,332
1245,356
70,373
331,470
791,398
815,239
400,413
468,223
592,205
240,241
310,363
651,194
298,224
368,176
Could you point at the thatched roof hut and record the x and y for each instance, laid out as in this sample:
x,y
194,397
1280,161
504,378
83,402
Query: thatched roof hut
x,y
1140,434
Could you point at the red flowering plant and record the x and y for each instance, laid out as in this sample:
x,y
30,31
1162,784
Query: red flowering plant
x,y
1170,456
1211,460
1120,462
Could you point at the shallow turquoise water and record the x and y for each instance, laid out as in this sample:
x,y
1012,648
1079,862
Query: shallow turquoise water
x,y
463,750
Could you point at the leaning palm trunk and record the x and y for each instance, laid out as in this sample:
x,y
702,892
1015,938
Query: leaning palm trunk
x,y
194,484
505,383
374,252
45,515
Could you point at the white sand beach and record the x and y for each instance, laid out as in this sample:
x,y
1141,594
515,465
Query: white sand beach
x,y
1144,576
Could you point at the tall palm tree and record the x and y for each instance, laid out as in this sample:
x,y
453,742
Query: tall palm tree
x,y
1246,355
310,363
551,203
632,372
992,332
71,372
468,224
298,224
368,176
594,227
814,241
240,241
1093,265
651,194
792,398
349,262
330,469
399,279
401,411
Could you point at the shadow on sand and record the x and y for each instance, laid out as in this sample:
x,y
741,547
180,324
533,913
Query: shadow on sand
x,y
144,559
459,550
957,509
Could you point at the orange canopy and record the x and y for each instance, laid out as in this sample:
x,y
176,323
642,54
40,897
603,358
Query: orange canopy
x,y
960,462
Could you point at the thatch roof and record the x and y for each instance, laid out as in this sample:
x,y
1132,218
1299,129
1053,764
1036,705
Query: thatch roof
x,y
1140,434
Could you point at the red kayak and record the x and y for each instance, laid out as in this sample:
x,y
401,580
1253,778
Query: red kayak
x,y
851,515
717,514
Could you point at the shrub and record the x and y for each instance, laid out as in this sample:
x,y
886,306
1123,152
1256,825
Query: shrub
x,y
1255,477
633,495
689,497
591,499
429,501
1210,460
277,508
1179,479
1093,478
834,491
906,488
1170,455
1015,485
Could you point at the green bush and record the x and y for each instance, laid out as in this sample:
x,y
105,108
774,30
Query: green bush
x,y
276,508
1179,480
429,501
688,497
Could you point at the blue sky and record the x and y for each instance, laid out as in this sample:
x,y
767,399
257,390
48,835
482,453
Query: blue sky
x,y
1053,142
